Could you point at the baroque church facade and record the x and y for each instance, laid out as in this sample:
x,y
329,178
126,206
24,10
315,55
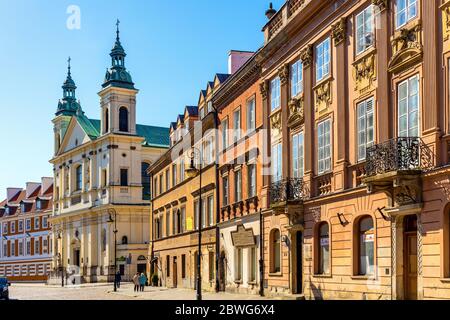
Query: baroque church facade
x,y
100,221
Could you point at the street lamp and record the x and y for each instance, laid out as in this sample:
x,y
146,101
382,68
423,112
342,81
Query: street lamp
x,y
192,172
111,220
60,258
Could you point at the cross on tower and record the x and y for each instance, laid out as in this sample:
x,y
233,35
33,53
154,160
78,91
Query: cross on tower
x,y
117,24
68,63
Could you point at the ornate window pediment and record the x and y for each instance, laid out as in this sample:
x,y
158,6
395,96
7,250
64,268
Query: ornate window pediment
x,y
446,22
275,120
323,96
406,47
364,72
296,112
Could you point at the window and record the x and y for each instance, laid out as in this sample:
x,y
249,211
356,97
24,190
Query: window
x,y
28,252
167,179
251,116
324,139
13,227
123,177
296,78
13,248
236,125
251,170
276,251
104,178
275,95
182,168
324,249
183,266
366,246
36,223
174,221
23,207
298,155
174,175
210,210
252,263
237,186
167,223
38,205
365,127
157,229
364,30
406,10
78,177
225,186
168,266
211,265
277,162
161,181
28,224
124,240
204,208
45,246
36,246
21,226
239,264
145,181
196,214
408,107
123,119
106,121
183,219
5,249
225,134
202,113
5,228
323,59
20,247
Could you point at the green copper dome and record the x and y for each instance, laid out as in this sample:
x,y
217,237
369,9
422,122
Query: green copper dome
x,y
68,105
117,75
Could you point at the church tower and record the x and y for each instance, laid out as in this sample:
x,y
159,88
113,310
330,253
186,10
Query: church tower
x,y
118,96
68,106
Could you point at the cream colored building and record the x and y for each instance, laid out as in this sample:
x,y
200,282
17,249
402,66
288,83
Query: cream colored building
x,y
101,185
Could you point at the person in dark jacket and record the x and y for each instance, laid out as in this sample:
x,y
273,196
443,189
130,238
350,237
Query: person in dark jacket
x,y
118,278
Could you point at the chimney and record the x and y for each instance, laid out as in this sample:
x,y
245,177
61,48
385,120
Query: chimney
x,y
237,59
270,12
11,193
47,182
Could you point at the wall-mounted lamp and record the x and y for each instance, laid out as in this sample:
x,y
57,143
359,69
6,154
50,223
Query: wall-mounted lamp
x,y
342,220
385,217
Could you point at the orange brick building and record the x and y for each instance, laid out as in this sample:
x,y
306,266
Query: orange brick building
x,y
25,249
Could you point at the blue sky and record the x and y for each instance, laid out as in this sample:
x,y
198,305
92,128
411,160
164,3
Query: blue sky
x,y
174,47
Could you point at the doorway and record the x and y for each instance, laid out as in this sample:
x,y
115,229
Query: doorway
x,y
76,257
299,264
222,273
410,257
175,272
141,268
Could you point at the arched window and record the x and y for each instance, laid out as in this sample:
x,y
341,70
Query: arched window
x,y
178,224
124,240
145,180
106,120
276,251
366,238
78,177
323,249
123,119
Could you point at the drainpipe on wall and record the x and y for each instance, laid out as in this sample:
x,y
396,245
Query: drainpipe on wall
x,y
216,138
261,253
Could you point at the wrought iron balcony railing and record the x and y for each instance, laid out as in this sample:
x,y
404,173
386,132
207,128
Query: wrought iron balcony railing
x,y
287,190
399,154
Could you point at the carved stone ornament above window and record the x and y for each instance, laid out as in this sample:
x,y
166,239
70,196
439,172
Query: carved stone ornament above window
x,y
306,55
446,20
339,31
407,47
275,121
264,89
381,4
296,112
322,96
364,72
283,73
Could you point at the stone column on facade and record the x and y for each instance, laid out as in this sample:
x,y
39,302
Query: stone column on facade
x,y
384,109
266,149
306,57
339,32
420,233
283,73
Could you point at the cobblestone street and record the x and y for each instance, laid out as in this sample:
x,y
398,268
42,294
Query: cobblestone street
x,y
105,292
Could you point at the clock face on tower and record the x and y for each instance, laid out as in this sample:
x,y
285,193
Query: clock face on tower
x,y
123,75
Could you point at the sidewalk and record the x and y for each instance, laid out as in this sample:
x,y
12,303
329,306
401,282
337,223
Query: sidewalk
x,y
41,284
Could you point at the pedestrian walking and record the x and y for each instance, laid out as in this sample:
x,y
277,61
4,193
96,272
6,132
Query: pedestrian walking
x,y
118,278
136,282
142,281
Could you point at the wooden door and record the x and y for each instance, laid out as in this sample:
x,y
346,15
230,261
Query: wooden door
x,y
175,273
410,258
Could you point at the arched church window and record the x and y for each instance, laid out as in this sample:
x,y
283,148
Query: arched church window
x,y
123,119
124,240
145,179
78,178
106,120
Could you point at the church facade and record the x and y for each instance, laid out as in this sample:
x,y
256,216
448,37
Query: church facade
x,y
100,221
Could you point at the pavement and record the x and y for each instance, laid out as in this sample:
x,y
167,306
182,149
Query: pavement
x,y
104,291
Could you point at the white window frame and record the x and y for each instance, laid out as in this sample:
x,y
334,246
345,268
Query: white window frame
x,y
296,78
20,226
236,125
44,222
409,5
36,223
276,162
36,246
365,30
238,185
225,139
410,95
365,113
13,226
28,224
323,59
275,93
298,155
324,144
210,202
251,180
251,114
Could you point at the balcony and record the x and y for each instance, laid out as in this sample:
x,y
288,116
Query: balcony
x,y
395,167
287,191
